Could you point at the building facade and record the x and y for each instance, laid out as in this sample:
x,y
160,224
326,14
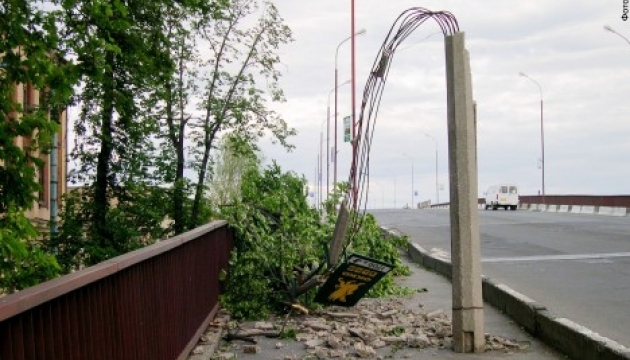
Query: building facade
x,y
52,175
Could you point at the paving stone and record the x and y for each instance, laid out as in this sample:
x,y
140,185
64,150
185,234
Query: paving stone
x,y
227,356
264,325
364,351
251,349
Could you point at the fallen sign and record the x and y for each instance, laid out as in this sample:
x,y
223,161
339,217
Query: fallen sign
x,y
352,280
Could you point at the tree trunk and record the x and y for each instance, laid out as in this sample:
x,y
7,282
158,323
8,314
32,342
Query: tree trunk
x,y
178,193
101,202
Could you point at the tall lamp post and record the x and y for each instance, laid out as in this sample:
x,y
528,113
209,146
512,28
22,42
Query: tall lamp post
x,y
437,185
542,134
353,119
360,32
608,28
321,159
411,203
328,136
317,183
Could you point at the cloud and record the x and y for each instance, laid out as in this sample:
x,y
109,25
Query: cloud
x,y
582,69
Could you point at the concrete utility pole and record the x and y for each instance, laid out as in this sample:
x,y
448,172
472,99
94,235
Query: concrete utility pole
x,y
468,330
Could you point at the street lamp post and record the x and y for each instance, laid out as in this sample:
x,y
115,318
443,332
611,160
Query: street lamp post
x,y
411,203
328,136
542,134
394,191
608,28
360,32
437,186
353,120
317,200
321,163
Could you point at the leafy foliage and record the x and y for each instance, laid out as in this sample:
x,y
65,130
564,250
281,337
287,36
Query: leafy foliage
x,y
137,220
29,56
281,242
23,262
276,233
369,241
123,52
216,91
236,155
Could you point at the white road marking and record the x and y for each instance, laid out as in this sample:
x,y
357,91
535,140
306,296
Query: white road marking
x,y
556,257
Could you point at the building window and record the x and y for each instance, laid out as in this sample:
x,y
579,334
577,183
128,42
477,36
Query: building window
x,y
26,97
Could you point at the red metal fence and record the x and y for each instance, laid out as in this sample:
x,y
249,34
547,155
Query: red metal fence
x,y
152,303
587,200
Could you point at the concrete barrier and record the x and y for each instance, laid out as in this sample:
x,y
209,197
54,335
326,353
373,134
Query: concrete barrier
x,y
606,210
577,209
612,211
573,340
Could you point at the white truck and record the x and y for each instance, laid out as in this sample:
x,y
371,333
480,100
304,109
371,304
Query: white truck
x,y
503,195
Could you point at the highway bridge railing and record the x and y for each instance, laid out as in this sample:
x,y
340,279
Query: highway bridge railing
x,y
615,205
585,204
153,303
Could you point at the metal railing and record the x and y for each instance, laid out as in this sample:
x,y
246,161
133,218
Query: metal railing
x,y
585,200
152,303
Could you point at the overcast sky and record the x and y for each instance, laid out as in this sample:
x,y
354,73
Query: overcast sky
x,y
583,70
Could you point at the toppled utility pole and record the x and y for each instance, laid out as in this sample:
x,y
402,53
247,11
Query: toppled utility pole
x,y
468,330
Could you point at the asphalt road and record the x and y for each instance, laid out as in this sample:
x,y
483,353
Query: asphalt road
x,y
576,265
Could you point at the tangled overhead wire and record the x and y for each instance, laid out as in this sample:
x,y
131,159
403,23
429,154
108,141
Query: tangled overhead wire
x,y
405,24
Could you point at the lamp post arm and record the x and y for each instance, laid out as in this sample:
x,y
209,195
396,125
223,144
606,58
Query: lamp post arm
x,y
608,28
338,46
360,32
535,82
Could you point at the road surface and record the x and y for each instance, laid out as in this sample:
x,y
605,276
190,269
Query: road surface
x,y
577,265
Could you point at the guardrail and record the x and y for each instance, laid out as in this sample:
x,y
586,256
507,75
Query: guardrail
x,y
152,303
583,200
611,205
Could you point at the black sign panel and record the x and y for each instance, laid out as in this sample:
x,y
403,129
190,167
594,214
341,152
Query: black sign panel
x,y
352,280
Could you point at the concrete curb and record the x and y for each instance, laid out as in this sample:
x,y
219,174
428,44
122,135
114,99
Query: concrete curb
x,y
205,350
571,339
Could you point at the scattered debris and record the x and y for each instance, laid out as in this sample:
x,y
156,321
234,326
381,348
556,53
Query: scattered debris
x,y
360,331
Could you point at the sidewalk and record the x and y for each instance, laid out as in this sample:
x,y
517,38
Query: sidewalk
x,y
508,339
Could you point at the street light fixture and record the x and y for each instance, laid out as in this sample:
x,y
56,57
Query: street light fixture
x,y
608,28
437,186
360,32
542,134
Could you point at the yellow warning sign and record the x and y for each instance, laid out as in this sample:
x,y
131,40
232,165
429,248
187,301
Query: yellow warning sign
x,y
352,280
